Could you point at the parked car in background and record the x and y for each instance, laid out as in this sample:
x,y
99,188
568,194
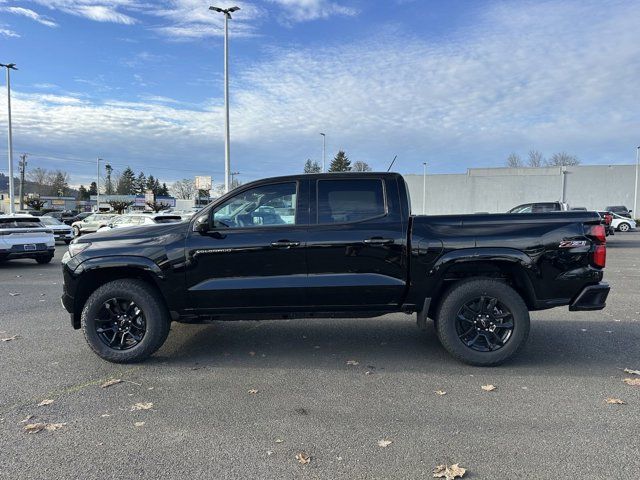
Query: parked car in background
x,y
620,210
540,207
622,223
61,231
76,218
24,236
91,223
137,219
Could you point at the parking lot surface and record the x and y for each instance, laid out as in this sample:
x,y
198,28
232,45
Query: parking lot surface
x,y
242,399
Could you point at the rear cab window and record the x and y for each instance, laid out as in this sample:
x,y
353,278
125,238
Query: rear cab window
x,y
20,223
347,200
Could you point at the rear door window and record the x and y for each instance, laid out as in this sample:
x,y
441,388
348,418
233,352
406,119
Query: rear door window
x,y
346,200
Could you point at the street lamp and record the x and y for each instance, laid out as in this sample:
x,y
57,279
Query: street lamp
x,y
635,190
227,154
424,188
324,150
9,67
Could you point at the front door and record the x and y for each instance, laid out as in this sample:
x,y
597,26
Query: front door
x,y
250,257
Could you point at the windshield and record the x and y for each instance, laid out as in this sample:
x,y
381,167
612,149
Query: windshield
x,y
50,221
20,223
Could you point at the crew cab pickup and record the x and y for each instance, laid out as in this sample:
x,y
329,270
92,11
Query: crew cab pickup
x,y
334,245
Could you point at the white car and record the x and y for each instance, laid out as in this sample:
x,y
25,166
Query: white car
x,y
622,224
137,219
91,223
61,231
24,236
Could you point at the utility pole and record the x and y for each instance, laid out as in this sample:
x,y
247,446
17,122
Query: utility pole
x,y
9,67
635,191
324,151
98,184
23,167
227,149
233,174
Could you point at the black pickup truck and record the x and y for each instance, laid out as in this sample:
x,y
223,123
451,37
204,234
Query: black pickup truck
x,y
334,245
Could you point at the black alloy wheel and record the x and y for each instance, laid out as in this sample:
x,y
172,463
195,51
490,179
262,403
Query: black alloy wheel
x,y
484,324
120,324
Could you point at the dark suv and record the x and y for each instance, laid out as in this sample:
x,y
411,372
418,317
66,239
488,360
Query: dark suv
x,y
620,210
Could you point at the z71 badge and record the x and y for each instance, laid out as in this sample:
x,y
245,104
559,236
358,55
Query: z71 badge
x,y
572,243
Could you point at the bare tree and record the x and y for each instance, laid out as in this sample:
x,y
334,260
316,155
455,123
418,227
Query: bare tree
x,y
562,159
119,206
184,189
41,178
157,206
514,161
360,166
536,159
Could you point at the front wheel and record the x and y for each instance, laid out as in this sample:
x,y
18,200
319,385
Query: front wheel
x,y
76,231
482,322
624,227
125,321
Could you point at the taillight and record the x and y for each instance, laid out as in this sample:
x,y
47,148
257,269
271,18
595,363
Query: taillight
x,y
599,258
598,232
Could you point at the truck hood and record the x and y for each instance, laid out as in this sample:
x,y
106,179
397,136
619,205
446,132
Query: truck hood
x,y
135,233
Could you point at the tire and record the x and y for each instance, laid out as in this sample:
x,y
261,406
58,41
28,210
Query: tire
x,y
464,298
624,227
44,259
76,231
67,242
154,316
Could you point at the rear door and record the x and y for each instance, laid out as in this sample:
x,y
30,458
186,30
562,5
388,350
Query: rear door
x,y
356,244
251,258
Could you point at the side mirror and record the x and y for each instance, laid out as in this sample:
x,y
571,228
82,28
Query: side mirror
x,y
201,225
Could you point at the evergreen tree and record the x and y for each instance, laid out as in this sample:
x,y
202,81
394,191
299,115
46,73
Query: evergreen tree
x,y
83,194
151,183
93,189
108,184
312,167
156,187
141,183
340,163
164,190
60,183
126,183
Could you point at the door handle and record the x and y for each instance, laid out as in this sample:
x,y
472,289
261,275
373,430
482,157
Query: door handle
x,y
378,241
284,244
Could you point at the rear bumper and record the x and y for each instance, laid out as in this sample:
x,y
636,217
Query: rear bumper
x,y
592,297
41,250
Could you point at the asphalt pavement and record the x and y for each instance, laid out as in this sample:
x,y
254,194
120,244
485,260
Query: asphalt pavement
x,y
242,399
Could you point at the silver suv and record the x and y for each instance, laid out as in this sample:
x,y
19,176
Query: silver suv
x,y
92,223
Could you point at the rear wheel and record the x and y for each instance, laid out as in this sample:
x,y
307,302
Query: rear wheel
x,y
67,242
482,322
125,321
76,231
44,259
624,227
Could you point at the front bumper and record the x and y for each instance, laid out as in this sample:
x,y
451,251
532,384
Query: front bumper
x,y
63,235
592,297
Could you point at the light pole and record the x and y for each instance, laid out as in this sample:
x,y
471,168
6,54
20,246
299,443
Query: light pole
x,y
98,184
324,151
424,188
635,191
9,67
23,166
227,154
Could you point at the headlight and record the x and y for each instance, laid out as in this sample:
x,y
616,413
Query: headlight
x,y
76,248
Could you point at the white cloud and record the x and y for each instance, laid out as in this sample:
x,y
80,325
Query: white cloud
x,y
306,10
518,79
96,10
5,32
33,15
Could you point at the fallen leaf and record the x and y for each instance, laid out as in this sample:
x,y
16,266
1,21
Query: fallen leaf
x,y
28,417
45,402
614,401
253,354
138,424
142,406
449,472
253,391
353,362
631,372
303,458
301,411
278,440
489,388
8,339
269,453
440,392
108,383
384,443
14,294
38,427
105,415
632,381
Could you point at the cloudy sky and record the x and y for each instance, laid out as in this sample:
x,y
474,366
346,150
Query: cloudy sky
x,y
457,84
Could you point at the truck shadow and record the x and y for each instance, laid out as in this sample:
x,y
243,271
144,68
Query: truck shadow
x,y
394,344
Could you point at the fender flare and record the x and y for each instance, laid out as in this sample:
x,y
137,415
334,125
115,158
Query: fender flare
x,y
123,261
